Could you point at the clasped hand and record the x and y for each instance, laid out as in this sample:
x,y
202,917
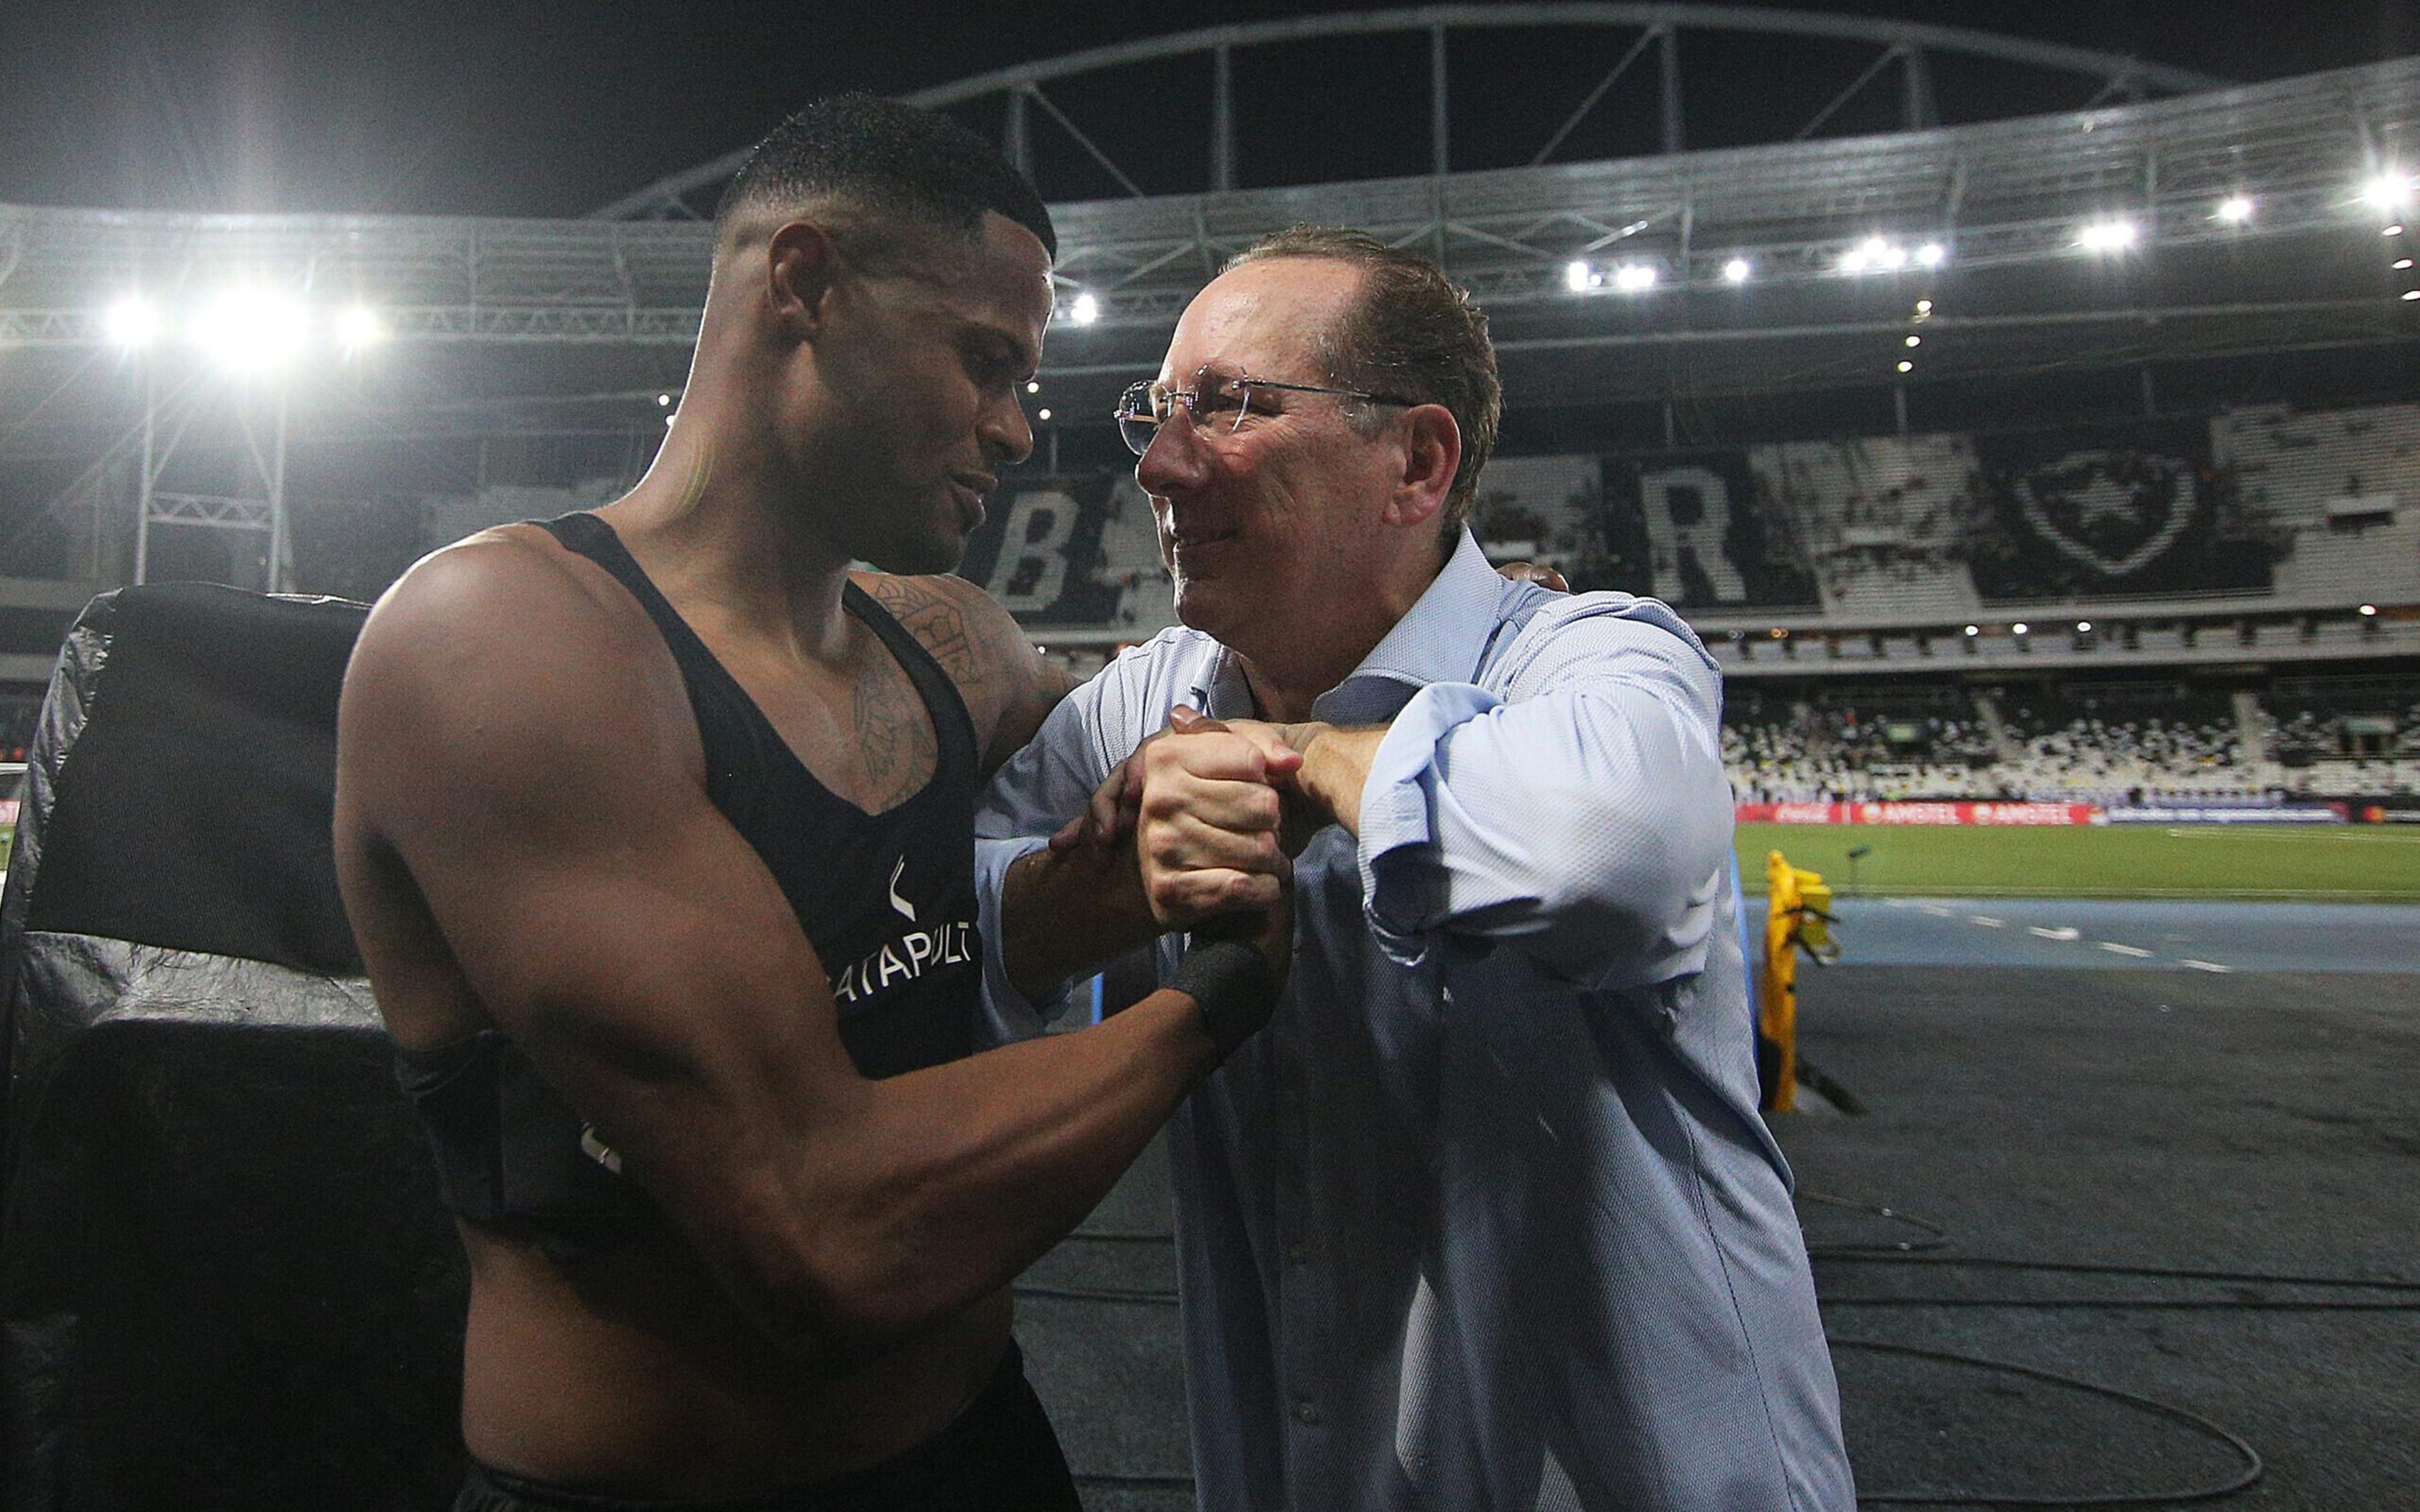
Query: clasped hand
x,y
1214,813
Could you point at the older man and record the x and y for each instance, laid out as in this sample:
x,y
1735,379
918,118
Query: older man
x,y
1492,1186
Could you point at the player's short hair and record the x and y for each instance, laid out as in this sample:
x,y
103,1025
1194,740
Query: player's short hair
x,y
1410,331
899,173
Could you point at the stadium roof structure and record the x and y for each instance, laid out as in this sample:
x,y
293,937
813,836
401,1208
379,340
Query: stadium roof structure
x,y
1907,46
1754,269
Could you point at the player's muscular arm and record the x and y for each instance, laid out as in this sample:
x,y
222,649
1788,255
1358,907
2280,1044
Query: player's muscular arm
x,y
634,944
1009,688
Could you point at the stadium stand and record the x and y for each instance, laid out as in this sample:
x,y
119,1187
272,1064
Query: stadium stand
x,y
2341,491
2121,743
2149,612
2131,742
1881,517
2347,737
20,716
1911,742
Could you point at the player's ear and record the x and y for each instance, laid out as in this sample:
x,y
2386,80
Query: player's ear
x,y
802,263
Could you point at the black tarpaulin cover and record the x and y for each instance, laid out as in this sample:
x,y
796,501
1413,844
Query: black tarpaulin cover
x,y
224,1278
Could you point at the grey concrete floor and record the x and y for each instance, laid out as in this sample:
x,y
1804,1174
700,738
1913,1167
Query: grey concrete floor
x,y
2245,1121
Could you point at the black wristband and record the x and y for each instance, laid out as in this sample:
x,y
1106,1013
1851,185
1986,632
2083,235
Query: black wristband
x,y
1233,985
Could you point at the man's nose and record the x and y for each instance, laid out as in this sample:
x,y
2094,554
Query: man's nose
x,y
1171,459
1006,435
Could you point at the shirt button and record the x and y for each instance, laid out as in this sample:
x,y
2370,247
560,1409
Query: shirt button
x,y
1306,1412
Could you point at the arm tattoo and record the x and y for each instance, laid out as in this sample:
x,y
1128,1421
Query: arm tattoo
x,y
1008,689
939,623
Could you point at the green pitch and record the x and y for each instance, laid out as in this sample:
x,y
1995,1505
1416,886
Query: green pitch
x,y
2340,863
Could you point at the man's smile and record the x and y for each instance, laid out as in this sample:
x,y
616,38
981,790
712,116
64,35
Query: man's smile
x,y
1198,537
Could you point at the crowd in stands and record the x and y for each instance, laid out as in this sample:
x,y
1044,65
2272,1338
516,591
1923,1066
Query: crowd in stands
x,y
2111,745
2354,737
2132,747
1780,750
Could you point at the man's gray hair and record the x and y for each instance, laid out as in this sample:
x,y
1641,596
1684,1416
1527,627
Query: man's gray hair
x,y
1410,331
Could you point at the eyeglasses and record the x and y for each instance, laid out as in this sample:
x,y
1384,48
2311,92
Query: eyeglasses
x,y
1217,401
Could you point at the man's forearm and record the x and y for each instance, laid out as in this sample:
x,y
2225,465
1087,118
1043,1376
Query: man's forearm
x,y
1066,913
972,1169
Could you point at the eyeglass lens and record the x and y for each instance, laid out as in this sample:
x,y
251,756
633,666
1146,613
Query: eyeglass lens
x,y
1214,394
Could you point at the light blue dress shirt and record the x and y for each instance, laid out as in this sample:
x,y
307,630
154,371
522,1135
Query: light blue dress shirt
x,y
1486,1213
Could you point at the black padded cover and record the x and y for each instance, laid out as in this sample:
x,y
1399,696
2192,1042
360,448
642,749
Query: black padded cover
x,y
224,1278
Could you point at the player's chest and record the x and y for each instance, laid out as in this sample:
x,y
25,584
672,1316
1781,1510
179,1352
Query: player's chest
x,y
864,733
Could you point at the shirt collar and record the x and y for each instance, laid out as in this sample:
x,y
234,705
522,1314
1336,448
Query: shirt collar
x,y
1439,640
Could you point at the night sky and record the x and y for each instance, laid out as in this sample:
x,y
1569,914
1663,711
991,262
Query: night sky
x,y
457,108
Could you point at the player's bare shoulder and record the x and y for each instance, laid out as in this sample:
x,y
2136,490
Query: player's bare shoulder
x,y
510,571
506,631
1008,685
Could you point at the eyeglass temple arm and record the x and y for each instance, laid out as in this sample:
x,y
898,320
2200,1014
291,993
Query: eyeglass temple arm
x,y
1250,383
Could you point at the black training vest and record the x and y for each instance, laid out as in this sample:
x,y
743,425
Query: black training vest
x,y
887,899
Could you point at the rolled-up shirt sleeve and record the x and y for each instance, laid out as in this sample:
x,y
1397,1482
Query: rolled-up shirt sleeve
x,y
1581,816
1008,1015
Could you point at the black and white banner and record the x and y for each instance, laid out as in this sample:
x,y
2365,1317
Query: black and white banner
x,y
2128,509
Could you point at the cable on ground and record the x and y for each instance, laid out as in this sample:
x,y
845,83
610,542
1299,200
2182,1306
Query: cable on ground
x,y
1909,1252
1935,1235
2250,1470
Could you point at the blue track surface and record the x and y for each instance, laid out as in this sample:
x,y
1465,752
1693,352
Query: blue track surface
x,y
2102,933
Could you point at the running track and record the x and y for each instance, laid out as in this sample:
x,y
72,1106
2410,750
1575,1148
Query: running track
x,y
2102,933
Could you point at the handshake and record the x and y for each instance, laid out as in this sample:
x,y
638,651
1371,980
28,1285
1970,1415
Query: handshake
x,y
1216,811
1199,827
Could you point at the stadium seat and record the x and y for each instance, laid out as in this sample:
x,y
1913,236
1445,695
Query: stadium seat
x,y
224,1278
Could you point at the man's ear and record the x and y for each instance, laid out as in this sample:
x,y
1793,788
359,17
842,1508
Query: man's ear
x,y
1431,445
802,265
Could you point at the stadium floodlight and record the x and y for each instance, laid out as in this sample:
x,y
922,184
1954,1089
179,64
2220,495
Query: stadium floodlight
x,y
1869,254
1930,254
1894,258
1736,270
357,326
2388,191
1634,278
2234,209
1577,276
2106,236
132,323
1085,309
250,331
